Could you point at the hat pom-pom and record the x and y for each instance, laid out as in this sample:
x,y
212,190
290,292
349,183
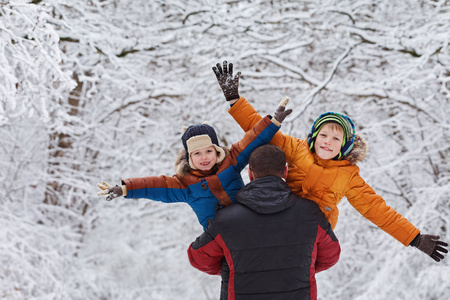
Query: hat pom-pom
x,y
205,122
184,128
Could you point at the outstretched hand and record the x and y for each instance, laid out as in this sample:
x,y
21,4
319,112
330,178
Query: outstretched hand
x,y
431,245
228,84
111,191
281,113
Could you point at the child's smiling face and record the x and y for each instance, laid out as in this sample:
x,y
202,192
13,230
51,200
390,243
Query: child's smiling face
x,y
204,158
329,141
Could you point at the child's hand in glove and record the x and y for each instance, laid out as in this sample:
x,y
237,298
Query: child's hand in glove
x,y
111,191
431,245
281,113
228,84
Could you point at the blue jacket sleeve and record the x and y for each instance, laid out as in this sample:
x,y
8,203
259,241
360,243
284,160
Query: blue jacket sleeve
x,y
260,134
158,188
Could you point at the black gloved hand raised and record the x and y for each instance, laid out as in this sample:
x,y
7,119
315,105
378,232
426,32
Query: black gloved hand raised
x,y
228,84
431,245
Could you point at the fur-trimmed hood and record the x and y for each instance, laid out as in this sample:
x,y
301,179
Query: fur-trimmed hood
x,y
182,167
359,151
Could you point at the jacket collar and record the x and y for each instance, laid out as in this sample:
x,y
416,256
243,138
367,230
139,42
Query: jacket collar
x,y
329,162
266,195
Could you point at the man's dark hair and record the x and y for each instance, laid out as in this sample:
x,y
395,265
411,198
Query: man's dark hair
x,y
267,160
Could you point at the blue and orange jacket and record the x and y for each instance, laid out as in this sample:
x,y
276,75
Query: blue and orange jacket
x,y
205,192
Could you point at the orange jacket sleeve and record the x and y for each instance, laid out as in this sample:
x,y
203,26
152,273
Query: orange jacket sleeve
x,y
373,207
246,116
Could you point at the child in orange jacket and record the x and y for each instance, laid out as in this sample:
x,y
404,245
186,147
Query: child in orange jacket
x,y
323,167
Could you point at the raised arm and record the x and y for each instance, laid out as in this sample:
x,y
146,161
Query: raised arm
x,y
246,116
261,133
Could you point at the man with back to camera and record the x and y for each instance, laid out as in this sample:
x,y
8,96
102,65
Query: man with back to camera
x,y
274,242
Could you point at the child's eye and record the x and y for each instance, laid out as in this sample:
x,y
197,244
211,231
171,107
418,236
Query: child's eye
x,y
209,151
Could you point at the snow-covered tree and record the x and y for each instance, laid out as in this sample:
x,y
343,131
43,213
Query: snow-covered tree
x,y
97,90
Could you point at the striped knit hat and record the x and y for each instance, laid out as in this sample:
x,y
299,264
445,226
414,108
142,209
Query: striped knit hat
x,y
344,121
199,136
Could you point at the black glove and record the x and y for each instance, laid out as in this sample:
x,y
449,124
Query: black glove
x,y
281,113
431,245
228,84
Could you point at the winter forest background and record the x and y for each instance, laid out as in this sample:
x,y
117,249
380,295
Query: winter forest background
x,y
99,90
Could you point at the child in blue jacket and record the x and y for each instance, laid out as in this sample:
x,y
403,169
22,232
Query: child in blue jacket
x,y
207,176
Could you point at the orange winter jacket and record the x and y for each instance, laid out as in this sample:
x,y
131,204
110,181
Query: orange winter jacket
x,y
326,182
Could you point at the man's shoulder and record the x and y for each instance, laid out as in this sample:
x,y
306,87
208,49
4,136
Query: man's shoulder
x,y
307,206
300,201
310,210
232,214
231,210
